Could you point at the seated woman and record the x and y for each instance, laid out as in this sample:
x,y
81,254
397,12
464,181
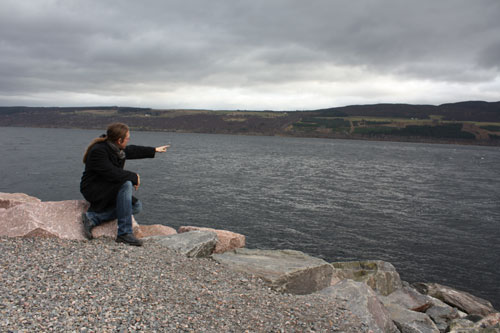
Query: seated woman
x,y
108,187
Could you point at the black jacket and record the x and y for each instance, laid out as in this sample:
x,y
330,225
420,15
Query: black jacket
x,y
104,174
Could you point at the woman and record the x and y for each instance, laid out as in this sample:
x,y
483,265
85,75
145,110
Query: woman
x,y
108,187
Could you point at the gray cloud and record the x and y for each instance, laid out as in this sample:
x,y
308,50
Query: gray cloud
x,y
319,52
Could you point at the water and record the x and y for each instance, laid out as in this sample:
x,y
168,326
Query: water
x,y
433,211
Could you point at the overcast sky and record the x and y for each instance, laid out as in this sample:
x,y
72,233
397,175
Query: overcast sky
x,y
252,54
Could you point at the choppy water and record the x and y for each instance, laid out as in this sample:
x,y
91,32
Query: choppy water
x,y
433,211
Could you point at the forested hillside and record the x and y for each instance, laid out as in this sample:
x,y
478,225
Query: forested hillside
x,y
473,122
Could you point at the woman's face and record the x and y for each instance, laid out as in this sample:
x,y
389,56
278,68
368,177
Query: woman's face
x,y
122,143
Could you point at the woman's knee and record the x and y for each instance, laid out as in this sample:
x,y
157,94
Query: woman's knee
x,y
127,185
127,188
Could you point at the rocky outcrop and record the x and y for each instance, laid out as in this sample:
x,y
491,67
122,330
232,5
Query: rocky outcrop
x,y
381,276
9,200
429,307
460,299
364,303
285,270
194,244
227,240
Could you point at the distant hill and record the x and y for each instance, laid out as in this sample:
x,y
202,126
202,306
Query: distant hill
x,y
471,122
462,111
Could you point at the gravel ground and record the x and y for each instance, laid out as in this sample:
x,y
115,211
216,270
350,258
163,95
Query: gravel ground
x,y
61,285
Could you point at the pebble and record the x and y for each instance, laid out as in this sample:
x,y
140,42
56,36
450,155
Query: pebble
x,y
100,285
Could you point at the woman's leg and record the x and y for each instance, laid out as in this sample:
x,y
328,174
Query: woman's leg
x,y
110,215
124,208
100,218
93,219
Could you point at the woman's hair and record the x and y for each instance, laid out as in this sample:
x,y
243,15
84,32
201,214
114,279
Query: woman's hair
x,y
114,132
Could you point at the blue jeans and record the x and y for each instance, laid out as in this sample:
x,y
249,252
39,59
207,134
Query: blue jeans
x,y
123,211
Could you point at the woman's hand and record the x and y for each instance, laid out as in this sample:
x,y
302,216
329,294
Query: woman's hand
x,y
162,149
138,182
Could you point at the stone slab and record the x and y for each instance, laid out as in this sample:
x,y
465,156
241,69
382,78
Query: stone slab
x,y
284,270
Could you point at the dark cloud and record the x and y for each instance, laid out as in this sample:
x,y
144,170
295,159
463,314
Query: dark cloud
x,y
489,57
325,50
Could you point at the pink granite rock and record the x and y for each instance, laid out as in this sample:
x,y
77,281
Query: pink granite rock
x,y
490,320
154,230
8,200
62,219
227,240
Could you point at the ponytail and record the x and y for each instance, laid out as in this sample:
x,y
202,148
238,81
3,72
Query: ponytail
x,y
102,138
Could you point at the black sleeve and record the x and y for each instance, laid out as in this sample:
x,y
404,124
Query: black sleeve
x,y
98,161
135,152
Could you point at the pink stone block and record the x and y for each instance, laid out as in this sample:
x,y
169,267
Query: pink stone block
x,y
154,230
61,219
8,200
227,240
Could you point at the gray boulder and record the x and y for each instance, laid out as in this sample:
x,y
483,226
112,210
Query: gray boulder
x,y
459,299
409,321
284,270
442,314
380,275
362,301
194,244
410,299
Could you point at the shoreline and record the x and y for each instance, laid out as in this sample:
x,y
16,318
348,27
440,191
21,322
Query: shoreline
x,y
284,135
